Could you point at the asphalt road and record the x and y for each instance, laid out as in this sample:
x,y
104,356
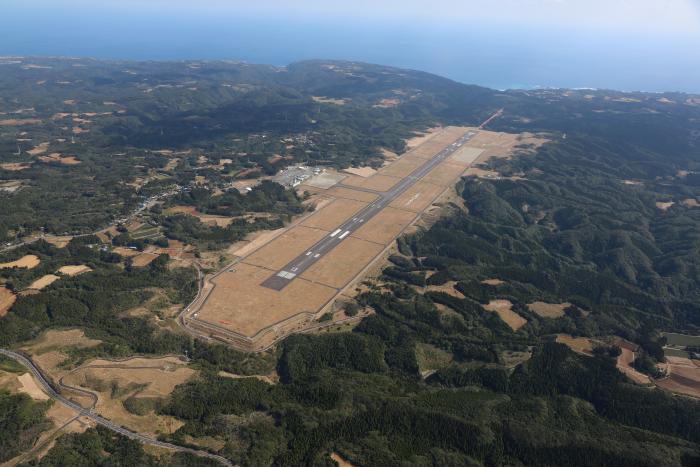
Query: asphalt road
x,y
83,412
301,263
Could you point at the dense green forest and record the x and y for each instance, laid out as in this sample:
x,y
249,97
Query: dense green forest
x,y
430,378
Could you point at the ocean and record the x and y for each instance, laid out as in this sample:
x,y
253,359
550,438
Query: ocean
x,y
494,55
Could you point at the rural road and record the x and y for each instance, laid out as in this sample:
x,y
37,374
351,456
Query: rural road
x,y
83,412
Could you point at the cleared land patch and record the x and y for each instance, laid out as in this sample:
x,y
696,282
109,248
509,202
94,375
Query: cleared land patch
x,y
548,310
7,299
503,308
582,345
31,388
209,219
27,261
360,171
402,167
43,282
74,270
343,263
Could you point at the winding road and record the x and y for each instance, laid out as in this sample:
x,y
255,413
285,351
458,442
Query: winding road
x,y
83,412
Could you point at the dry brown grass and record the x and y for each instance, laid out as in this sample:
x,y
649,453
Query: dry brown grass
x,y
31,387
208,219
58,242
360,171
115,381
349,193
493,281
376,182
143,259
57,158
240,303
58,339
43,282
125,252
19,121
419,197
7,299
333,214
445,174
253,242
27,261
40,149
329,100
286,247
385,226
548,310
503,308
582,345
343,263
402,167
74,270
15,166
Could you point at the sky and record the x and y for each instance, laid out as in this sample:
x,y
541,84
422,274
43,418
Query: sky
x,y
649,45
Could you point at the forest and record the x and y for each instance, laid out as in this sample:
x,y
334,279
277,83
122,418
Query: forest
x,y
602,218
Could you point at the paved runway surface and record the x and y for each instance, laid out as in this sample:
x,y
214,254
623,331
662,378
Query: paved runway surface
x,y
301,263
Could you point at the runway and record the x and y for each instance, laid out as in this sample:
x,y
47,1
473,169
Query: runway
x,y
301,263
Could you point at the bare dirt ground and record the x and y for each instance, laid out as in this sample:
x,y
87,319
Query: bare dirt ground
x,y
28,261
683,376
664,206
582,345
7,299
340,461
74,270
625,360
43,282
548,310
503,308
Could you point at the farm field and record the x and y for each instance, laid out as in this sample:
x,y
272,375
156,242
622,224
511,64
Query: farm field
x,y
223,310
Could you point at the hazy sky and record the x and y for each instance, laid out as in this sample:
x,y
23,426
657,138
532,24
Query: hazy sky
x,y
651,16
622,44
